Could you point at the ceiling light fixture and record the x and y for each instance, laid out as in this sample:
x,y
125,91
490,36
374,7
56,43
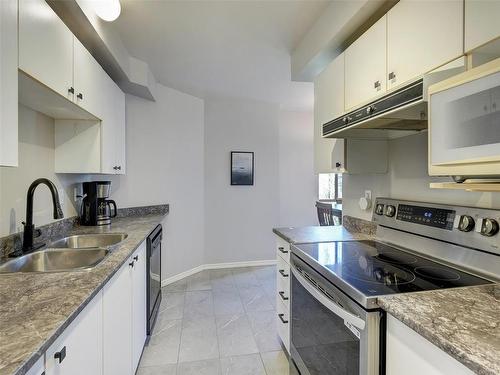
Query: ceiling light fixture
x,y
108,10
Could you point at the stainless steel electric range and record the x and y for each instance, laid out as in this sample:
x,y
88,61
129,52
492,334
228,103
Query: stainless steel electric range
x,y
336,324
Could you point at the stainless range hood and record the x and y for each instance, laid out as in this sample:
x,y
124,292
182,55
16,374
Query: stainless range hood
x,y
397,114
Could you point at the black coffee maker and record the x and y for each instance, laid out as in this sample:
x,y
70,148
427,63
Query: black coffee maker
x,y
97,209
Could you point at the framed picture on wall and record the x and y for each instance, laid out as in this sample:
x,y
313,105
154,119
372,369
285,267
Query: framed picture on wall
x,y
241,168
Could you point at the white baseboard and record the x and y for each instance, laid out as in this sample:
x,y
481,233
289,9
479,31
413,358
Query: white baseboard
x,y
216,266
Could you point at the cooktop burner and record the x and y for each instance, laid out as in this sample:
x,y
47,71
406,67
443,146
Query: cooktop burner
x,y
378,273
437,273
374,268
398,257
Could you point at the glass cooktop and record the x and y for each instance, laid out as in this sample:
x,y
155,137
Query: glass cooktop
x,y
374,268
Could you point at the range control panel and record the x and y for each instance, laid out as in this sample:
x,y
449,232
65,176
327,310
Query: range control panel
x,y
467,226
433,217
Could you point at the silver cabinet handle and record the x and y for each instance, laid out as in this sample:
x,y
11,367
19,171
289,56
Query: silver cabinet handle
x,y
328,303
80,96
376,84
282,295
282,249
392,75
282,272
71,90
281,316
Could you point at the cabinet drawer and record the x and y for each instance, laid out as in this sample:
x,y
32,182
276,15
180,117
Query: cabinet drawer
x,y
283,283
283,269
283,291
283,324
283,249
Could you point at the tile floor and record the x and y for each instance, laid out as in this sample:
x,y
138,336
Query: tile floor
x,y
217,322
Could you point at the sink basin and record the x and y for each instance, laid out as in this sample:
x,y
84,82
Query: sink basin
x,y
55,260
82,241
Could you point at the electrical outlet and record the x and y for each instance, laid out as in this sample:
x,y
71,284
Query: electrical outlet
x,y
76,194
368,194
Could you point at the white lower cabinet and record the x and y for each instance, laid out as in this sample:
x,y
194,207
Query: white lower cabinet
x,y
124,316
411,354
139,315
108,336
38,368
283,276
78,351
117,319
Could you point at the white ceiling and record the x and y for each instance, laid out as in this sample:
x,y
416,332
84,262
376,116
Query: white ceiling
x,y
222,48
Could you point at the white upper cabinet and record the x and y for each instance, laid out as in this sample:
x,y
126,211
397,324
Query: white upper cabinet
x,y
88,76
328,104
8,84
329,91
113,129
482,23
90,126
45,46
422,35
365,66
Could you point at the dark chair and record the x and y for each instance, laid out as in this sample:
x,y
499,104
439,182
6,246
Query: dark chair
x,y
327,216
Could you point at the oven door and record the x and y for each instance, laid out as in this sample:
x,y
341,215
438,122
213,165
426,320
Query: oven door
x,y
330,333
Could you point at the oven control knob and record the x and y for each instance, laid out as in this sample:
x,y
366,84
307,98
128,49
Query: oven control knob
x,y
390,211
379,210
489,227
466,223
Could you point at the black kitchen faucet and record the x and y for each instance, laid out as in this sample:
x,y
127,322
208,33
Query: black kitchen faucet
x,y
29,227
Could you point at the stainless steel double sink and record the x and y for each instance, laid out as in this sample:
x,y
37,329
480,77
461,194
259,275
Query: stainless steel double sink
x,y
78,252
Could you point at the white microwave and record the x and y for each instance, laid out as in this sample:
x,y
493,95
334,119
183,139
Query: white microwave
x,y
464,124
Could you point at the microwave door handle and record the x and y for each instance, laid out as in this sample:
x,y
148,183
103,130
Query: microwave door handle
x,y
328,303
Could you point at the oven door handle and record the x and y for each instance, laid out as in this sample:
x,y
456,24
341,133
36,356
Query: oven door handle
x,y
328,303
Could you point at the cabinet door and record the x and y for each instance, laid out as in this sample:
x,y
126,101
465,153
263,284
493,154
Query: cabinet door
x,y
481,22
328,104
117,323
88,80
38,368
113,129
365,66
120,130
78,351
422,35
8,83
138,304
410,354
45,46
329,91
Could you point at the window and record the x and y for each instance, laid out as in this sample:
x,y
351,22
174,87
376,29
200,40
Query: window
x,y
330,187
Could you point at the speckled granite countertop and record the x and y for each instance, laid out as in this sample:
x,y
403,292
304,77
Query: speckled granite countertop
x,y
317,234
36,308
463,322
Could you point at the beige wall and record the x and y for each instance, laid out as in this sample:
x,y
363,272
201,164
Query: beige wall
x,y
36,159
408,179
